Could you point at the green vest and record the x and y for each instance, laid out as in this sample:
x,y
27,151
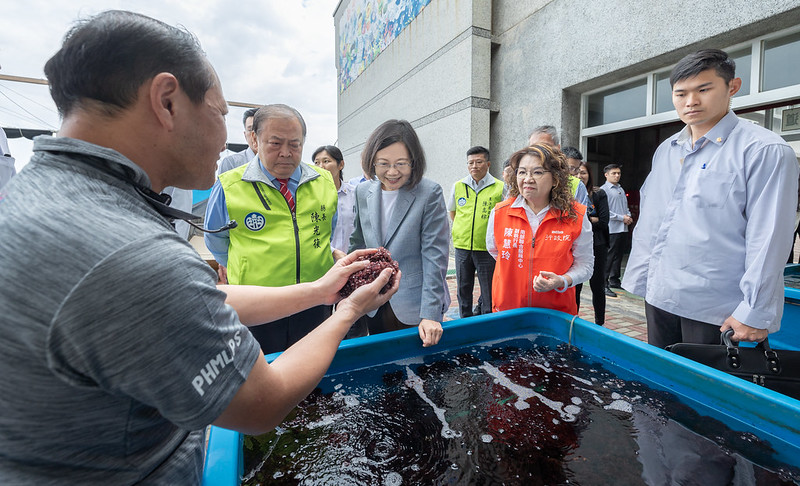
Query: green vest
x,y
271,246
573,184
472,214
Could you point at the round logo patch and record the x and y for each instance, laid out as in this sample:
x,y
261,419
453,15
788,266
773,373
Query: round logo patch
x,y
462,201
254,221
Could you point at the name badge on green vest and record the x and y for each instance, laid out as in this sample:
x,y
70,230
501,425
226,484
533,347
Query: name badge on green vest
x,y
462,201
254,221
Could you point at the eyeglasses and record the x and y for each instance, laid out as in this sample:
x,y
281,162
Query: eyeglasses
x,y
384,166
575,170
535,173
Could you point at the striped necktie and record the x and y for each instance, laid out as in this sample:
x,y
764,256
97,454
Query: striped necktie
x,y
286,193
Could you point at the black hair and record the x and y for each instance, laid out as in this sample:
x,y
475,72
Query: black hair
x,y
247,114
611,167
703,60
572,153
590,184
388,133
334,152
478,150
106,59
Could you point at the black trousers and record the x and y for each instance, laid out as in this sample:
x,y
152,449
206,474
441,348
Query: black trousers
x,y
468,262
597,283
279,335
665,328
617,243
384,320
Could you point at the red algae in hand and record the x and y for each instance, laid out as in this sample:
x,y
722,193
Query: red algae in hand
x,y
378,261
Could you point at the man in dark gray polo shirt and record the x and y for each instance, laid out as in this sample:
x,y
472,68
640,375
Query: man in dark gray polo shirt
x,y
118,348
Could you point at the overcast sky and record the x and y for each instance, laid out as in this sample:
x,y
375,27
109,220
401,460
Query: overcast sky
x,y
268,51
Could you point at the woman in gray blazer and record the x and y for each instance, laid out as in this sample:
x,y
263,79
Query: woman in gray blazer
x,y
405,213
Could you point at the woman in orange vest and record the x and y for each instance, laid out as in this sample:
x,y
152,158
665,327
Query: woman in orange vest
x,y
540,237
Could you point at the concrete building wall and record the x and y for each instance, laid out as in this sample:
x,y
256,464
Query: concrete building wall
x,y
551,54
485,72
435,74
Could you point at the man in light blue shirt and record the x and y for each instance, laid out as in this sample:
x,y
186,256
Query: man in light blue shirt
x,y
717,216
619,218
246,155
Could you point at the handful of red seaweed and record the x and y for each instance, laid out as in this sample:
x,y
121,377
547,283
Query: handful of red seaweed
x,y
378,261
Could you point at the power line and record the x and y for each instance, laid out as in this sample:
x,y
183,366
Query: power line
x,y
26,111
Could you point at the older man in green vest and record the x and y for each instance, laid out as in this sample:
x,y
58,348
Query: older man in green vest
x,y
285,212
470,203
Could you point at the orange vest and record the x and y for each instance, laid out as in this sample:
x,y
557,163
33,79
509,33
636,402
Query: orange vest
x,y
521,257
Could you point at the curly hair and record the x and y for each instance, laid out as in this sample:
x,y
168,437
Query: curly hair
x,y
553,160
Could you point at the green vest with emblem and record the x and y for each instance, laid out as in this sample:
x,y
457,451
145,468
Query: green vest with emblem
x,y
271,246
472,214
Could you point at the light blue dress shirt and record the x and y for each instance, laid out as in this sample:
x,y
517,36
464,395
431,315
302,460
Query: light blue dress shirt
x,y
582,195
617,208
217,214
716,225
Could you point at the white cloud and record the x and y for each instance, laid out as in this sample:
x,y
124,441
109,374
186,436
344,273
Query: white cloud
x,y
278,51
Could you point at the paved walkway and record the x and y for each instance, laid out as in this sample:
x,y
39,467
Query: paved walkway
x,y
624,313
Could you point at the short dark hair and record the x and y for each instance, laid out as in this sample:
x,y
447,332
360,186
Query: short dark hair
x,y
334,152
108,57
478,150
276,111
703,60
611,167
247,114
388,133
572,153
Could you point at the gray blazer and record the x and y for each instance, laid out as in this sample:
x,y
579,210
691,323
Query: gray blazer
x,y
418,237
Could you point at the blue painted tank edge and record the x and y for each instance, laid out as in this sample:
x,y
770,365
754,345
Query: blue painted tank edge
x,y
747,407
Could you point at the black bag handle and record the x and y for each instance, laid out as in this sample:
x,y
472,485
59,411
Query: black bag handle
x,y
773,362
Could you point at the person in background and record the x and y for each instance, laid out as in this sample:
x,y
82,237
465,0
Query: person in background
x,y
7,169
598,216
619,219
286,212
717,216
180,199
404,212
540,236
547,134
470,202
330,158
508,174
118,347
246,155
574,158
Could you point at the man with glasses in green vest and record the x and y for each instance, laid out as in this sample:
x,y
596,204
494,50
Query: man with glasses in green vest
x,y
469,205
286,212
